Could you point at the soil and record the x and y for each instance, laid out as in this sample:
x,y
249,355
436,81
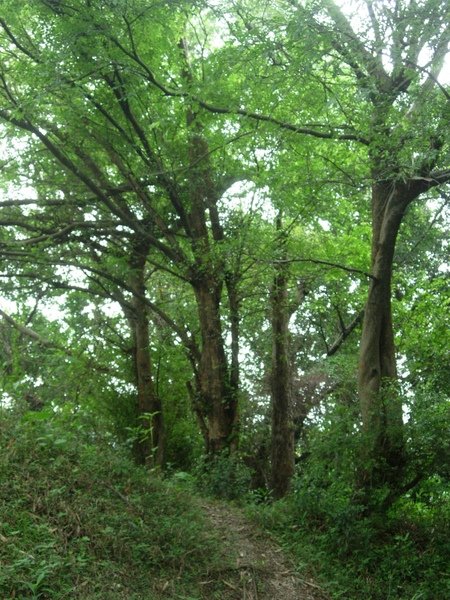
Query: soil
x,y
254,567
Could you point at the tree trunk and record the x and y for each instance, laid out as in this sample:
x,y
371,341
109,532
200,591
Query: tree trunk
x,y
149,448
381,406
218,400
217,393
234,306
282,443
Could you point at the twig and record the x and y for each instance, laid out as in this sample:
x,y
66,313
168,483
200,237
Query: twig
x,y
233,587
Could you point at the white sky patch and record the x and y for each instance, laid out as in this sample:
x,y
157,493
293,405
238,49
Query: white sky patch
x,y
6,401
326,225
8,306
122,386
110,309
25,192
354,285
404,373
243,196
9,150
401,366
89,310
73,275
444,74
54,311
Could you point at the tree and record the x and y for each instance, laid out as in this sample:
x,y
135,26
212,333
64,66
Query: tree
x,y
282,442
399,120
397,97
131,144
149,170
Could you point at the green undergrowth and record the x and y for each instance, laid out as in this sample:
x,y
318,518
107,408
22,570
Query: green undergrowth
x,y
79,520
380,551
402,556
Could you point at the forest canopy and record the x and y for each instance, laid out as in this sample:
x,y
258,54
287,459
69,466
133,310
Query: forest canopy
x,y
223,238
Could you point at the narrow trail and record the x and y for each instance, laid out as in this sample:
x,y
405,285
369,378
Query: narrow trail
x,y
255,567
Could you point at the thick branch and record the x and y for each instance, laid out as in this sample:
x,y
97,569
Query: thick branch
x,y
33,335
345,332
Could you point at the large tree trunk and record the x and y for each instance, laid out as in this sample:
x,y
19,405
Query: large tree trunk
x,y
149,448
217,397
282,443
381,406
217,393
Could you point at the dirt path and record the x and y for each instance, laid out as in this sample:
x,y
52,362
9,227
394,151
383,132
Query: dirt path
x,y
255,567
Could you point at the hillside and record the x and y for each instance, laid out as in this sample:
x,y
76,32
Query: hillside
x,y
80,520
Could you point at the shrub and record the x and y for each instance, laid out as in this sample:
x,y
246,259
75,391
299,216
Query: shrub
x,y
223,476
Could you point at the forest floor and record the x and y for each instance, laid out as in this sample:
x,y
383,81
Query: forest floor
x,y
255,567
79,520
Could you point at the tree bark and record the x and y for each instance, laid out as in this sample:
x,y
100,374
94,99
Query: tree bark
x,y
381,405
218,394
149,448
282,443
234,307
217,397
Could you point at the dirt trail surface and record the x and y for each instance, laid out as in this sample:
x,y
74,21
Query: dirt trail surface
x,y
255,567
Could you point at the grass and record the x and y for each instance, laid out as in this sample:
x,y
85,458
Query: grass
x,y
79,520
406,557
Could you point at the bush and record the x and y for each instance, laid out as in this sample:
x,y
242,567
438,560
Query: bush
x,y
223,476
401,554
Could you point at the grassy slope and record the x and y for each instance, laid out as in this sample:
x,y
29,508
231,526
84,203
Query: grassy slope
x,y
79,520
406,557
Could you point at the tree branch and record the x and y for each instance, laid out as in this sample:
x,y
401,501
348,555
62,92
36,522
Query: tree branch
x,y
33,335
327,264
242,112
345,332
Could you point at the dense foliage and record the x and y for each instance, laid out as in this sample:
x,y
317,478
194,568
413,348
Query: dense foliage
x,y
399,554
223,238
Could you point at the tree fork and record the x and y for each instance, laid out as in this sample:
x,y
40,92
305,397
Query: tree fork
x,y
216,394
